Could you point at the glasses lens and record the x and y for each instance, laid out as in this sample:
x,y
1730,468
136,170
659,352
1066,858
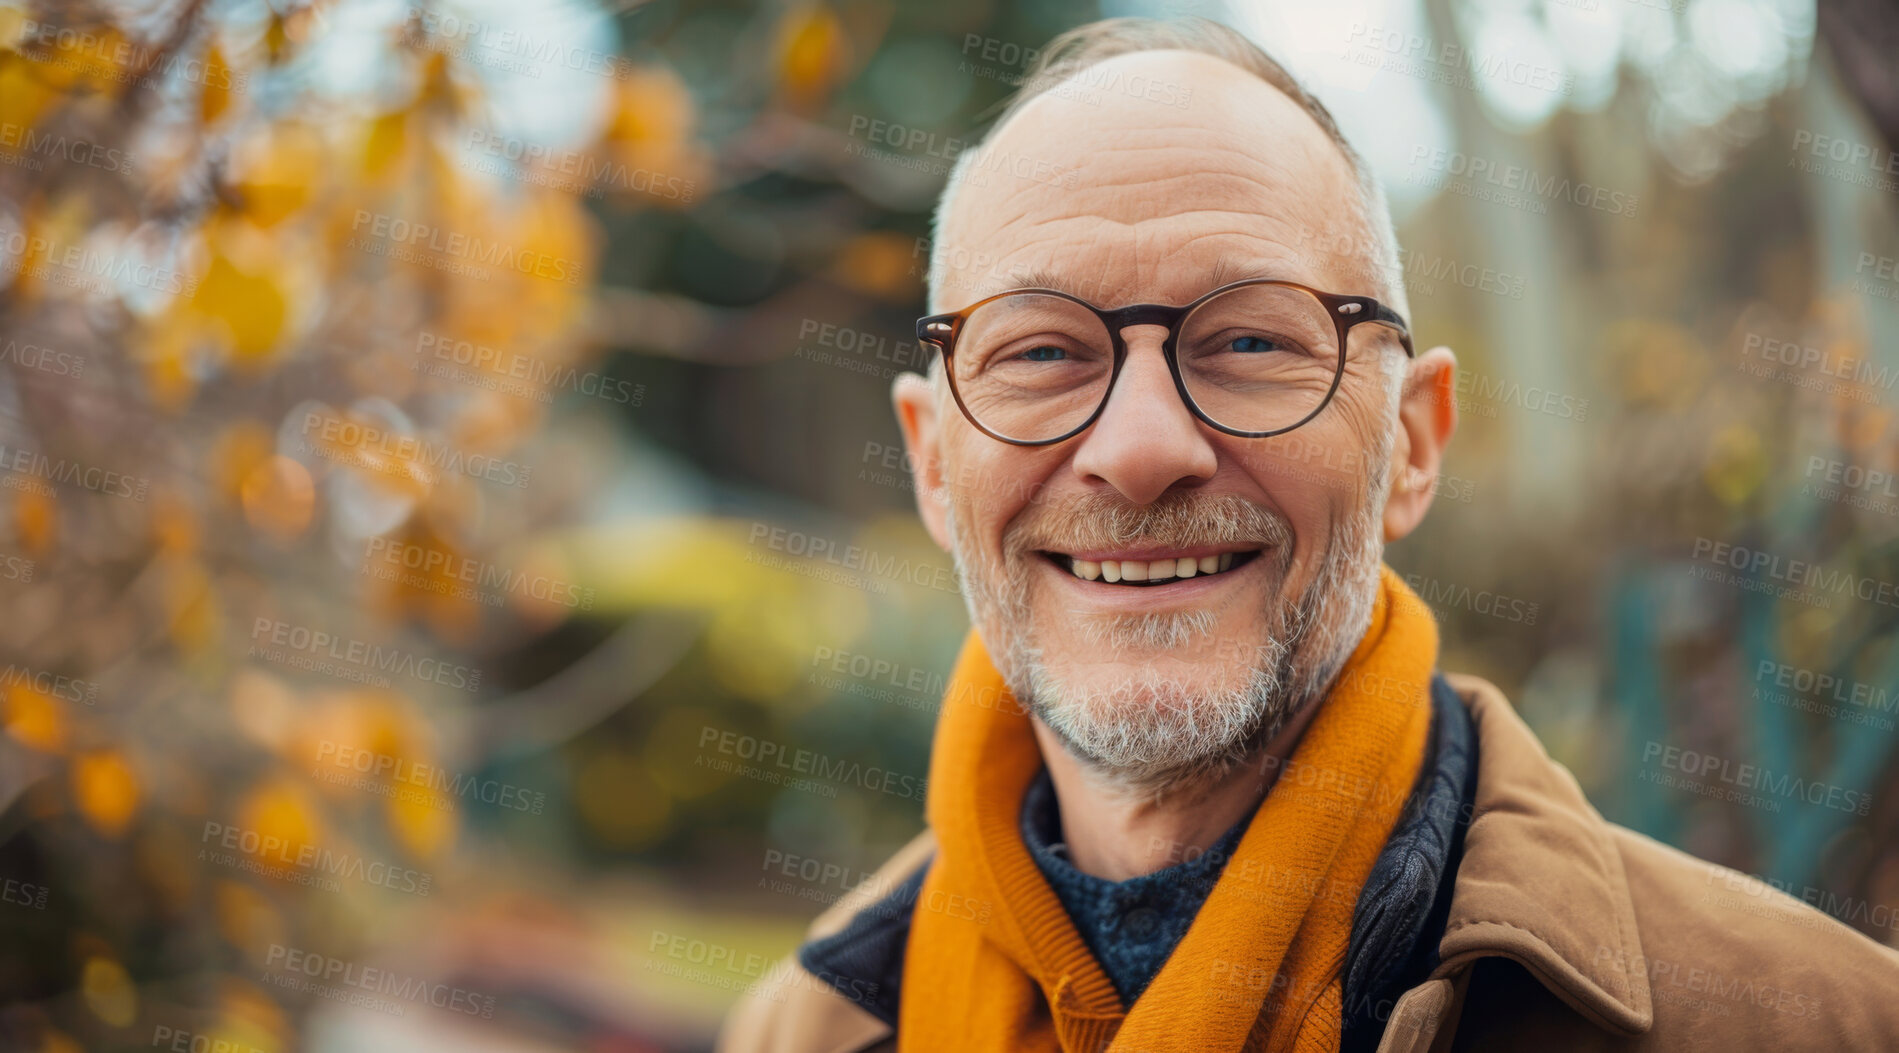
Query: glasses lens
x,y
1032,367
1260,357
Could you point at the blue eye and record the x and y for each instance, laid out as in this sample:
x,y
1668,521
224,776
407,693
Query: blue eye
x,y
1044,353
1253,344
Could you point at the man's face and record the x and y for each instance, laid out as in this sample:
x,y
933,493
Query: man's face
x,y
1152,684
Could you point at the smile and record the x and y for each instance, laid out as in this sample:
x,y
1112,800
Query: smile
x,y
1162,569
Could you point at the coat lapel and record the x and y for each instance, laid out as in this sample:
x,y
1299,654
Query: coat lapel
x,y
1541,882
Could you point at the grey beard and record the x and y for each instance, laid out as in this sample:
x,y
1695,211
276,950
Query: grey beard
x,y
1151,735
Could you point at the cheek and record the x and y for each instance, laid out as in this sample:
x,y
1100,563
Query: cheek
x,y
995,482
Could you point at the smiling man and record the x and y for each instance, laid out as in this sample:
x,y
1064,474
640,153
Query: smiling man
x,y
1197,783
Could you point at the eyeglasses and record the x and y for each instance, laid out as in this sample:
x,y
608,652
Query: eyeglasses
x,y
1253,359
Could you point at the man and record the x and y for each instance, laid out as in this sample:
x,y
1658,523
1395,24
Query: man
x,y
1195,784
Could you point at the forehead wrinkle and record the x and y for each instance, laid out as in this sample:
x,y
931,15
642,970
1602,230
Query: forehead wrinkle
x,y
1168,255
1153,192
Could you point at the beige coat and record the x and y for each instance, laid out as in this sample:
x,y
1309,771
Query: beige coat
x,y
1566,932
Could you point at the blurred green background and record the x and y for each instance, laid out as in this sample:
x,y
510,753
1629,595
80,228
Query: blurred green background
x,y
449,475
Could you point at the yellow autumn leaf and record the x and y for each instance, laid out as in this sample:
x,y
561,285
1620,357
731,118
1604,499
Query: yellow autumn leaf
x,y
35,718
24,97
218,79
109,991
275,171
106,791
250,308
36,517
284,819
385,141
419,822
812,53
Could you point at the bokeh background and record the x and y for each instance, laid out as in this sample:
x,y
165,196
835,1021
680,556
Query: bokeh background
x,y
449,475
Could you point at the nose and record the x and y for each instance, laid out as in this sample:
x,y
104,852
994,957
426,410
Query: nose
x,y
1146,440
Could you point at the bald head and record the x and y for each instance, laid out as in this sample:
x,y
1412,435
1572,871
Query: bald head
x,y
1156,174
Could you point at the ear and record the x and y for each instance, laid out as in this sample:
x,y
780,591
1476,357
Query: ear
x,y
1427,418
917,406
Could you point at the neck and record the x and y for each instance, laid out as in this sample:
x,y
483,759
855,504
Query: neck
x,y
1115,835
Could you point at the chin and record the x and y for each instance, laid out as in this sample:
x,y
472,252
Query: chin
x,y
1147,729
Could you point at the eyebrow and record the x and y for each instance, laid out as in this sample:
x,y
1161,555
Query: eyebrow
x,y
1225,272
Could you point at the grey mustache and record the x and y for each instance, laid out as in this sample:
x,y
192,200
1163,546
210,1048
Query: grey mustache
x,y
1179,519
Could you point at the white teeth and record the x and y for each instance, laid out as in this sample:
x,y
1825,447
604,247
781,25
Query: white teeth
x,y
1119,570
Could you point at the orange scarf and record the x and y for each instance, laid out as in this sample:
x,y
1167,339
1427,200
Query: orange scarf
x,y
994,963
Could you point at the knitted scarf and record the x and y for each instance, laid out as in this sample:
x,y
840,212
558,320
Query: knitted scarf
x,y
994,963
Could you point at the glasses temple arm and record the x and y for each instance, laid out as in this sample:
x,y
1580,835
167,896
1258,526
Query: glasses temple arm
x,y
1386,316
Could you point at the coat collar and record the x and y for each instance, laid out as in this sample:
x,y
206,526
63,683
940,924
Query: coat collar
x,y
1541,881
